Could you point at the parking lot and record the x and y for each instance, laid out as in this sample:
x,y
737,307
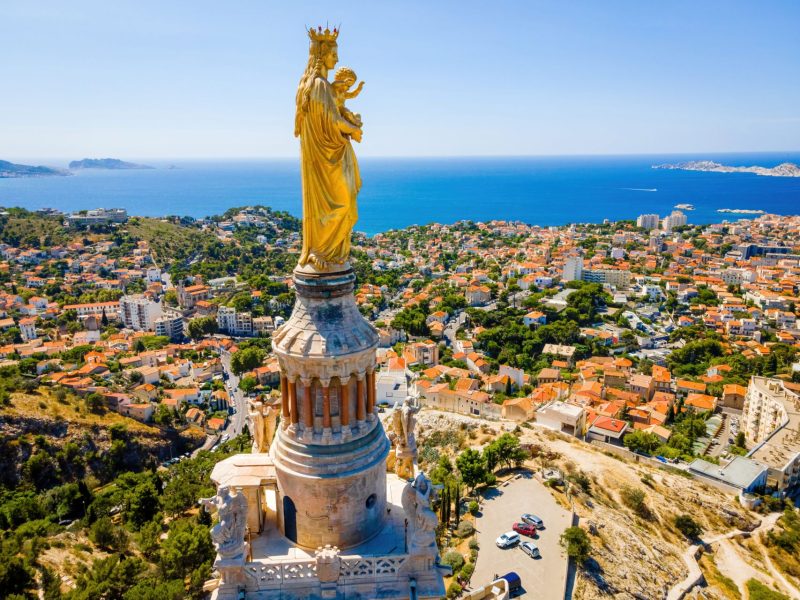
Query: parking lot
x,y
543,578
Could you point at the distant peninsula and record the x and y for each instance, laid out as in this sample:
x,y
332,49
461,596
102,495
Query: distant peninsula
x,y
782,170
9,170
105,163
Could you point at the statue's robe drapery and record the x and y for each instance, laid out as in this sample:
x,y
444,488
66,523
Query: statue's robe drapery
x,y
330,180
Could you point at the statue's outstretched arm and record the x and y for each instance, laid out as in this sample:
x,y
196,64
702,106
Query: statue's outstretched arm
x,y
355,92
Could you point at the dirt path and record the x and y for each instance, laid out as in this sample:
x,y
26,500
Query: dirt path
x,y
731,564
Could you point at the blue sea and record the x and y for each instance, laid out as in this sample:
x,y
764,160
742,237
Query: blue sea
x,y
401,192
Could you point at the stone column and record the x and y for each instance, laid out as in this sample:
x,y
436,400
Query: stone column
x,y
370,394
344,401
326,408
361,412
293,401
308,412
285,414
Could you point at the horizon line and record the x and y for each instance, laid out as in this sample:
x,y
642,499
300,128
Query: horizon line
x,y
423,156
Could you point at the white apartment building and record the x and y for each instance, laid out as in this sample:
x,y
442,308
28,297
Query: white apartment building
x,y
648,221
617,277
573,269
676,219
234,323
771,420
139,313
170,326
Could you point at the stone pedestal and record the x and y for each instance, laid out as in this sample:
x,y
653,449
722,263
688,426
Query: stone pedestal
x,y
330,467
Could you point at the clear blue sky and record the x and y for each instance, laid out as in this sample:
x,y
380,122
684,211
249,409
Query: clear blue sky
x,y
134,79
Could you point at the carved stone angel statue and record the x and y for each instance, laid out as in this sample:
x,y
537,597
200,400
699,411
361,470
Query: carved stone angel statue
x,y
262,423
416,499
403,422
229,532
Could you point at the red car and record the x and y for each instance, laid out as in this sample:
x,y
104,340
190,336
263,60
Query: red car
x,y
525,529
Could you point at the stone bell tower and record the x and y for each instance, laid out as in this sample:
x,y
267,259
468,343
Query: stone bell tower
x,y
330,451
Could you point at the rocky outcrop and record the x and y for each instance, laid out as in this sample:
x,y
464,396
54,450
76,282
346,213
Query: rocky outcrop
x,y
782,170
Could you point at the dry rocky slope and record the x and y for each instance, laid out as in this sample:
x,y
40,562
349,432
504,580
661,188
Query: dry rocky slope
x,y
636,553
62,423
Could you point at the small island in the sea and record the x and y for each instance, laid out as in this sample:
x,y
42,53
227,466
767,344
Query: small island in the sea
x,y
105,163
782,170
9,170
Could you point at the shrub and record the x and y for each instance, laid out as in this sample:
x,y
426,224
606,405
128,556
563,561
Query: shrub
x,y
577,543
453,590
465,529
634,498
466,572
454,560
473,544
688,526
473,507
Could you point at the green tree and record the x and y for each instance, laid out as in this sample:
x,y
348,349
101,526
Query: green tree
x,y
248,384
642,441
577,544
247,359
187,548
472,466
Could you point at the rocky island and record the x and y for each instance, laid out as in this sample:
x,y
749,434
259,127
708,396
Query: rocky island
x,y
9,170
782,170
105,163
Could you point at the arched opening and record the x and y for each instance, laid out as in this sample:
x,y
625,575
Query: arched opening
x,y
289,519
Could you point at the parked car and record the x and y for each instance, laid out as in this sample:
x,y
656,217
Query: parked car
x,y
524,529
533,520
508,539
530,549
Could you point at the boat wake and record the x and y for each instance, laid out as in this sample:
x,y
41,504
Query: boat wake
x,y
641,189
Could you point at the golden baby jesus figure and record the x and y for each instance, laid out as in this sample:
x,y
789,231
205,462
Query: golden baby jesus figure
x,y
344,79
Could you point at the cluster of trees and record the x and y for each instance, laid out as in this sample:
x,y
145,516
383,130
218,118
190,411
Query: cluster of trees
x,y
412,320
476,468
144,563
251,354
687,427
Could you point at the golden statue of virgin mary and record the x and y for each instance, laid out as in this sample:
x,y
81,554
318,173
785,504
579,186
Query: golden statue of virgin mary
x,y
328,164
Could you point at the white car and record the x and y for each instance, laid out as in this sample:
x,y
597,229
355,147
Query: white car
x,y
530,549
508,539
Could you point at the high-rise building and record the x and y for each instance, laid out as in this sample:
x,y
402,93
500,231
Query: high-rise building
x,y
648,221
675,219
139,312
573,269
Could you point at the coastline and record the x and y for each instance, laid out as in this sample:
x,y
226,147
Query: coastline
x,y
396,193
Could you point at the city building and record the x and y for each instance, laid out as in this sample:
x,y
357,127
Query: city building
x,y
676,219
573,269
648,221
97,216
27,328
139,312
771,421
619,278
171,326
234,322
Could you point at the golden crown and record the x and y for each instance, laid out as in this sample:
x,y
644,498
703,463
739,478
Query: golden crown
x,y
323,35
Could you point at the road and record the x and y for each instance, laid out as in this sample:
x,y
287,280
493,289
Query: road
x,y
237,420
453,326
543,578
